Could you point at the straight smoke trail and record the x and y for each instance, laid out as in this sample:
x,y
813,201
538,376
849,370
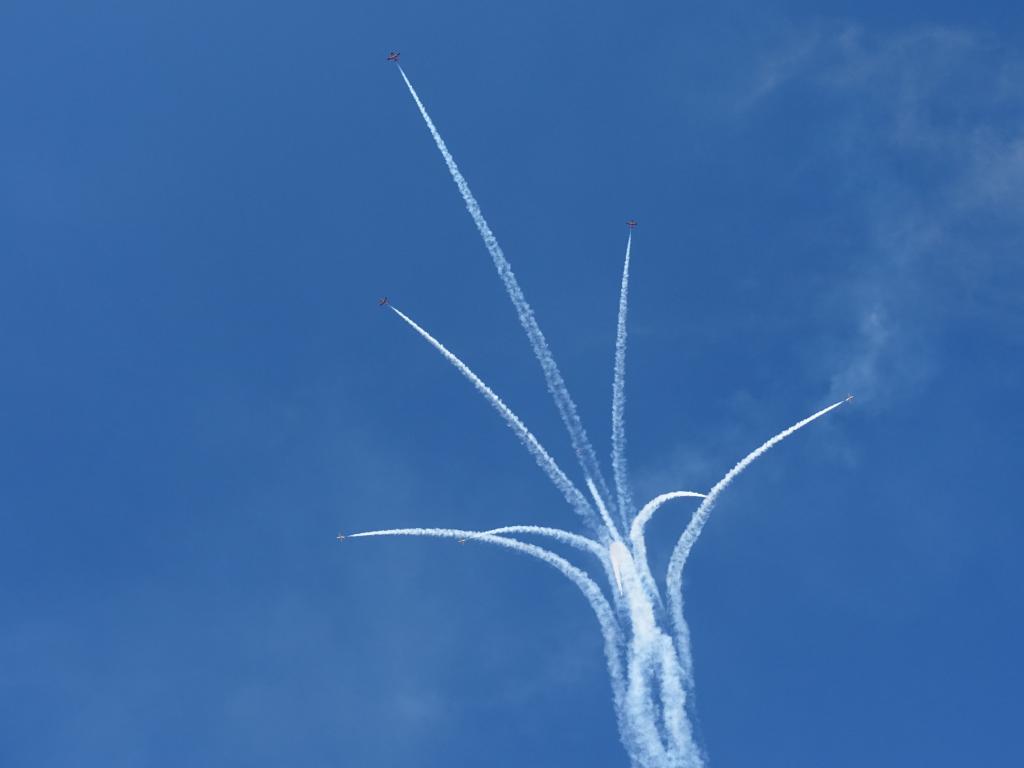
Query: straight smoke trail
x,y
673,704
572,494
607,518
553,376
592,592
655,705
619,470
681,552
640,704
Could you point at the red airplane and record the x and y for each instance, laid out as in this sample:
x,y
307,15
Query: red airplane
x,y
631,223
393,56
382,302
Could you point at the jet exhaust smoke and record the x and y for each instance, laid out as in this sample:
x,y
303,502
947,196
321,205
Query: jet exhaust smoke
x,y
674,578
650,664
619,471
556,384
592,592
572,494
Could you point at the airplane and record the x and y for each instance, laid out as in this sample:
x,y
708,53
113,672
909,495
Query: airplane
x,y
382,302
631,223
618,575
848,398
342,537
618,554
393,56
463,541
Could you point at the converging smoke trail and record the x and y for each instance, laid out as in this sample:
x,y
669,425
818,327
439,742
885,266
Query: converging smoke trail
x,y
590,590
572,539
673,698
572,494
553,376
565,537
619,471
636,531
609,523
655,704
650,663
674,578
640,707
639,543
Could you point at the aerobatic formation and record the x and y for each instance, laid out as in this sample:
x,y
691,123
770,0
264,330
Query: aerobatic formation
x,y
646,638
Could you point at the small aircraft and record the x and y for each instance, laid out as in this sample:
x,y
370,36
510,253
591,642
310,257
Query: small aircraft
x,y
382,302
463,541
848,398
342,537
393,56
631,223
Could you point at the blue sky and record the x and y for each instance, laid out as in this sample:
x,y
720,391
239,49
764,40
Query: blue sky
x,y
199,206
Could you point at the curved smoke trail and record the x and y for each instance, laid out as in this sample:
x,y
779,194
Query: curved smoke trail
x,y
553,376
544,459
565,537
602,610
636,531
681,552
619,470
636,535
572,539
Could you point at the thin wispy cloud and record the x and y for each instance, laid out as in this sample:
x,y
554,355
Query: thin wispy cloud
x,y
928,138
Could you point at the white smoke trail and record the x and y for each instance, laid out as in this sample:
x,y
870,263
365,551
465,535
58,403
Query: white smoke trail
x,y
617,555
572,494
565,537
607,518
556,384
674,578
572,539
659,730
639,543
636,531
651,677
673,705
640,708
590,590
619,470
